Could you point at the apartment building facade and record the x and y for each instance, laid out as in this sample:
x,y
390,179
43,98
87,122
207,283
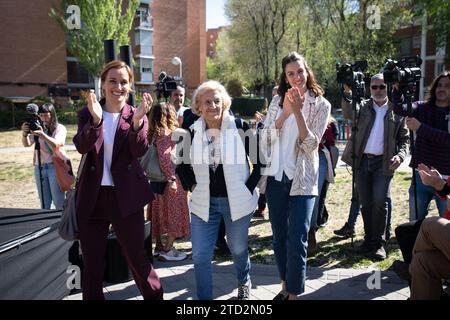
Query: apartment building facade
x,y
418,39
35,61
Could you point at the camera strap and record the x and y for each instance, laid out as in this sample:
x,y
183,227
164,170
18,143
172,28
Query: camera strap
x,y
49,149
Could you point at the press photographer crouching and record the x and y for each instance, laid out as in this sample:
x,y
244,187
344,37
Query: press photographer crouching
x,y
43,130
430,121
380,144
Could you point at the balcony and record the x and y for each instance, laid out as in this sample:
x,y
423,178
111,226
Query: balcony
x,y
144,50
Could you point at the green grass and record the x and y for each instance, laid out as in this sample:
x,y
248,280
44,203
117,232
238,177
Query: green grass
x,y
13,138
333,250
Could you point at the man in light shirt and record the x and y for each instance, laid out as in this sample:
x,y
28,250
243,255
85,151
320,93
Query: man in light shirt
x,y
176,99
380,142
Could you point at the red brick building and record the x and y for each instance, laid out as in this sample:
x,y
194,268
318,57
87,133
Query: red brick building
x,y
34,59
211,41
411,40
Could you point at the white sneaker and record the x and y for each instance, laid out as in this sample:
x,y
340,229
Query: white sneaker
x,y
172,255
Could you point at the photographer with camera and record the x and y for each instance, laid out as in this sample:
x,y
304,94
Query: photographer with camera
x,y
173,93
430,121
45,131
379,146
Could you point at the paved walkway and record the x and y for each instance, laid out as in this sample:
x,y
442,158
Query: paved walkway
x,y
178,280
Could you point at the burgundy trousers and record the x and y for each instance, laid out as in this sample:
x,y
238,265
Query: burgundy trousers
x,y
130,235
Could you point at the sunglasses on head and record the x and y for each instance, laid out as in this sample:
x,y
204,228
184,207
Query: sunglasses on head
x,y
381,87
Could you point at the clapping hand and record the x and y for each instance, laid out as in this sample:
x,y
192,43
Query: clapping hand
x,y
94,108
295,100
142,110
259,116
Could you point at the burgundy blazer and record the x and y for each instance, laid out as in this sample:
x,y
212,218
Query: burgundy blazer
x,y
131,185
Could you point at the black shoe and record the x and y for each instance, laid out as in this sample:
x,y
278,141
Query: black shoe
x,y
401,269
282,295
258,214
362,249
346,231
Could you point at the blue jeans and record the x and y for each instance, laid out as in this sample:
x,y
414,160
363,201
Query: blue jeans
x,y
290,217
424,196
323,170
373,189
52,192
204,236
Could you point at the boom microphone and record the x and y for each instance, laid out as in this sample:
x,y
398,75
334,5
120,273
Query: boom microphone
x,y
32,108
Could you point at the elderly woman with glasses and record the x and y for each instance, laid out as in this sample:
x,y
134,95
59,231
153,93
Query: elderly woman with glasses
x,y
222,185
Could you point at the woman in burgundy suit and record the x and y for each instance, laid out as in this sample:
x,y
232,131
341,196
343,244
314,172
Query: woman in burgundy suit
x,y
113,188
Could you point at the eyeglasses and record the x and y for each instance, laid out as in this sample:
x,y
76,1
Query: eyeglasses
x,y
381,87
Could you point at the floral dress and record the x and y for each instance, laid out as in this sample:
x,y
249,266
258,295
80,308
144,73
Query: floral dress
x,y
169,211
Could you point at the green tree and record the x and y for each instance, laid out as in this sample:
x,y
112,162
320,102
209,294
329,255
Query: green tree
x,y
100,20
324,31
212,69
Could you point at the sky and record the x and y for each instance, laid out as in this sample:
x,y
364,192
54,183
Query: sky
x,y
215,16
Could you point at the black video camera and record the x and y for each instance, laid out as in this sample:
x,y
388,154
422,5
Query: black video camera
x,y
406,72
351,73
165,86
33,120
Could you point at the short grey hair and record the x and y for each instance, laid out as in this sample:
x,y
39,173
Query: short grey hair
x,y
378,76
210,85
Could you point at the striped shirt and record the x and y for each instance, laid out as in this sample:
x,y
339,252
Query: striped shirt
x,y
432,144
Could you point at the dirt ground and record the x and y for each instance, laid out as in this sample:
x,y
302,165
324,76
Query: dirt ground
x,y
17,182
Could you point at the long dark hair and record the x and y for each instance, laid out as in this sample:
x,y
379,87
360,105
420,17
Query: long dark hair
x,y
431,96
49,108
311,82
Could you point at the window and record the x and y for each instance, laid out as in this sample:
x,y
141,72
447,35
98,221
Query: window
x,y
405,46
145,65
439,68
143,38
145,17
417,42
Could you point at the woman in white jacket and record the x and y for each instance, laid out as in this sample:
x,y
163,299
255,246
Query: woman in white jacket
x,y
219,177
293,128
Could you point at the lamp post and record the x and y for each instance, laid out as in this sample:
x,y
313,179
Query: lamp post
x,y
177,61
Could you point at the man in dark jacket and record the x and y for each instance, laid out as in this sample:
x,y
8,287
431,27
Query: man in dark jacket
x,y
380,145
